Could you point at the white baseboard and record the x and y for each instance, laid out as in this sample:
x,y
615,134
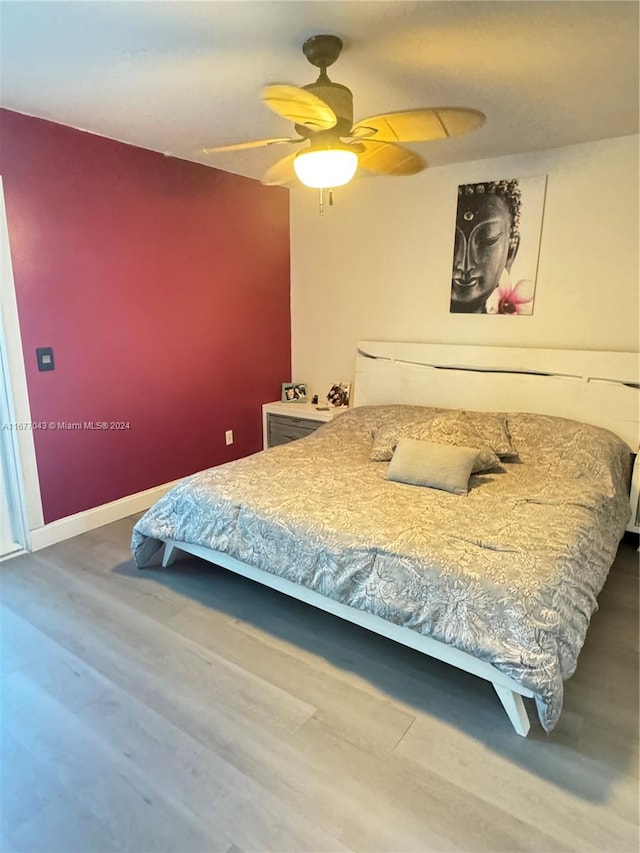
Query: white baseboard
x,y
81,522
12,554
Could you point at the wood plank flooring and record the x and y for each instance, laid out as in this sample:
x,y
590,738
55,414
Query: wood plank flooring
x,y
190,710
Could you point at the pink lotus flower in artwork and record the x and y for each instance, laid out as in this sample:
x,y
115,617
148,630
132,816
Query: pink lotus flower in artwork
x,y
508,299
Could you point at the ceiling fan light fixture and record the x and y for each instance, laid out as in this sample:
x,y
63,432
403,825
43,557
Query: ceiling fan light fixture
x,y
325,168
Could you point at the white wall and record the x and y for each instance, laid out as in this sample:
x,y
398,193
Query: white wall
x,y
377,265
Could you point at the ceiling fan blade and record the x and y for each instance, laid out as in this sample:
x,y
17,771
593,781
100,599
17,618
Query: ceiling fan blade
x,y
243,146
280,173
421,125
299,106
389,159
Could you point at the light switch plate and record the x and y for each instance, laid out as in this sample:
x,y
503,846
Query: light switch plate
x,y
45,358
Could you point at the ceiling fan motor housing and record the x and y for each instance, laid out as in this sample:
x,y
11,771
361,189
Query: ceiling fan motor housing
x,y
339,98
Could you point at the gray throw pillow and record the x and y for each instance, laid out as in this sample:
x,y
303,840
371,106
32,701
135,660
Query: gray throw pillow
x,y
438,466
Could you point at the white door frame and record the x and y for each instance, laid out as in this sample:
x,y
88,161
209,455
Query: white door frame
x,y
26,485
12,512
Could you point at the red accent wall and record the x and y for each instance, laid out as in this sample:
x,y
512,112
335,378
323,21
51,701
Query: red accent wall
x,y
163,288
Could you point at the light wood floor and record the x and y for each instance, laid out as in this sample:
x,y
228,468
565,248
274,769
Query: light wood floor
x,y
191,710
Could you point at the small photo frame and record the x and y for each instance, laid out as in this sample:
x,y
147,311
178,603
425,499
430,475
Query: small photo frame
x,y
294,392
339,394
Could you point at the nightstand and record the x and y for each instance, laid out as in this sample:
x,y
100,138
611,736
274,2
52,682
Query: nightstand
x,y
284,422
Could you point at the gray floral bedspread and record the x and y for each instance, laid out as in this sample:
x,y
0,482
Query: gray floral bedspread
x,y
509,572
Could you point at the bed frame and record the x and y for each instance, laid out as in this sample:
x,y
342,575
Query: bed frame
x,y
600,388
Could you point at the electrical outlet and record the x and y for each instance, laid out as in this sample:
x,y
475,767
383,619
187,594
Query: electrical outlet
x,y
228,437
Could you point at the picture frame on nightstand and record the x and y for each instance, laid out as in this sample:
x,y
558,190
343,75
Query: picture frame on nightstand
x,y
294,392
339,394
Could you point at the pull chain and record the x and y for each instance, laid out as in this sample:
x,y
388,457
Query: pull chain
x,y
321,207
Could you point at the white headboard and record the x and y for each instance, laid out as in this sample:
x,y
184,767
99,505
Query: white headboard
x,y
599,388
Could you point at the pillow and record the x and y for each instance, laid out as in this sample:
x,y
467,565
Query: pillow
x,y
438,466
452,428
493,427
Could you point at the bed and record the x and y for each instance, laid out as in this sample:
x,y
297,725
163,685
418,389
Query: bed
x,y
500,582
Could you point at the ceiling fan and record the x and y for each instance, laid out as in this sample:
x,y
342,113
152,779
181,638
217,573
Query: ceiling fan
x,y
333,147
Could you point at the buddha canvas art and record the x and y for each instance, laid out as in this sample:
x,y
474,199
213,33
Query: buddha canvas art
x,y
496,246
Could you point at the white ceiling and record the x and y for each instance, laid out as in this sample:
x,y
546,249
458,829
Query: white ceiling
x,y
176,76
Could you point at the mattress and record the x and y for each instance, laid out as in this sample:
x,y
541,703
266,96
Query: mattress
x,y
508,573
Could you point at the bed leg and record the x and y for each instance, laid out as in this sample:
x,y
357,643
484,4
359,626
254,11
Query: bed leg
x,y
515,708
170,554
